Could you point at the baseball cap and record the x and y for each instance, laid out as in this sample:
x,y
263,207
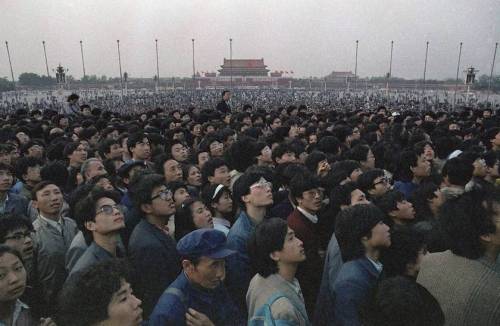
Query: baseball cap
x,y
204,242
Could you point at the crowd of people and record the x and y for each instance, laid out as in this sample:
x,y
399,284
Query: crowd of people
x,y
344,212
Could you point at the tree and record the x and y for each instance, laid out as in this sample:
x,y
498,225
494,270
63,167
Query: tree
x,y
6,85
32,79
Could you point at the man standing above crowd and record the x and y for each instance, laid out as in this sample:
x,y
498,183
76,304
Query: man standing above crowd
x,y
223,106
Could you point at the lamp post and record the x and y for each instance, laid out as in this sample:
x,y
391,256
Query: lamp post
x,y
456,80
10,63
356,68
83,61
425,69
491,73
46,62
120,65
157,67
231,63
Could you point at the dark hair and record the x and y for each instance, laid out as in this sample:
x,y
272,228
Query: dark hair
x,y
340,171
24,163
269,236
301,183
365,181
85,299
341,195
13,222
420,199
142,189
209,168
359,153
56,172
85,210
399,301
281,150
39,186
105,146
224,92
388,202
70,148
458,170
329,145
354,223
466,218
242,154
7,167
184,223
406,161
313,160
406,243
488,135
135,138
242,185
4,249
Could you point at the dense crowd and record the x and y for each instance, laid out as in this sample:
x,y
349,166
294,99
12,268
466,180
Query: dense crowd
x,y
203,211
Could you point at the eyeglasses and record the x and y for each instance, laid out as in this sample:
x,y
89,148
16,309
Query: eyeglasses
x,y
163,195
262,184
314,192
383,180
108,209
19,236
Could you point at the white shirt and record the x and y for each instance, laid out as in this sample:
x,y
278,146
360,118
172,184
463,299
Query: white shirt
x,y
56,224
309,216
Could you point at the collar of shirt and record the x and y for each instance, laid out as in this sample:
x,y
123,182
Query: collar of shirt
x,y
55,224
18,308
222,221
309,216
378,265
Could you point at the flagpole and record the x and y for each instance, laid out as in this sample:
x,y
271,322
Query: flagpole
x,y
194,73
120,65
390,69
356,68
425,69
46,62
83,61
157,67
10,63
491,73
456,80
231,61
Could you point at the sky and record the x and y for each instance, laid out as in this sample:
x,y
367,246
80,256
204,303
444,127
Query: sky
x,y
308,37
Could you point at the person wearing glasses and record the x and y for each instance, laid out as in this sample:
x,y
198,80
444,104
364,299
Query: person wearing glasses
x,y
307,196
101,219
151,248
253,193
374,183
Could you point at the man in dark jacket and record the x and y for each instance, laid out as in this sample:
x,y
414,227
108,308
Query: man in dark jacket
x,y
223,106
151,248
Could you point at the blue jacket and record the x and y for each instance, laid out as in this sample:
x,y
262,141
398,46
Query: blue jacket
x,y
155,261
355,280
238,265
181,295
16,204
406,188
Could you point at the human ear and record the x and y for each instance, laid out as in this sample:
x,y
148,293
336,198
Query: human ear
x,y
275,256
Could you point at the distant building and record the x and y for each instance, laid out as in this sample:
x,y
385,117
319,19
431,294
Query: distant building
x,y
244,68
340,76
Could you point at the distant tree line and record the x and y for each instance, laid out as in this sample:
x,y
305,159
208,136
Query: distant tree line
x,y
6,85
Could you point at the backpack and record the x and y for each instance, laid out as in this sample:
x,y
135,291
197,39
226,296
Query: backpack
x,y
264,317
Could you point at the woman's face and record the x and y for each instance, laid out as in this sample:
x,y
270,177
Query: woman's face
x,y
225,204
202,218
12,278
194,176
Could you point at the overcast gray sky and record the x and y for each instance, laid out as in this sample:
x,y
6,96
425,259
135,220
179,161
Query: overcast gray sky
x,y
311,38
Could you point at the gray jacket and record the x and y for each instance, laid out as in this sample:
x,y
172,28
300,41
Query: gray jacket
x,y
51,250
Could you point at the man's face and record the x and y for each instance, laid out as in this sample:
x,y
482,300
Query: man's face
x,y
142,150
179,152
355,175
227,96
35,151
124,308
108,217
380,236
95,168
197,130
203,157
358,197
311,200
285,158
404,212
49,200
293,250
13,282
5,158
423,168
225,204
162,202
208,273
380,186
276,123
216,149
496,141
194,176
115,152
494,170
266,155
33,174
6,179
428,152
479,168
79,155
260,194
22,137
22,241
221,176
172,171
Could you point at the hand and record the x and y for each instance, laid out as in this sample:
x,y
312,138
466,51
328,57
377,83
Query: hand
x,y
195,318
47,322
